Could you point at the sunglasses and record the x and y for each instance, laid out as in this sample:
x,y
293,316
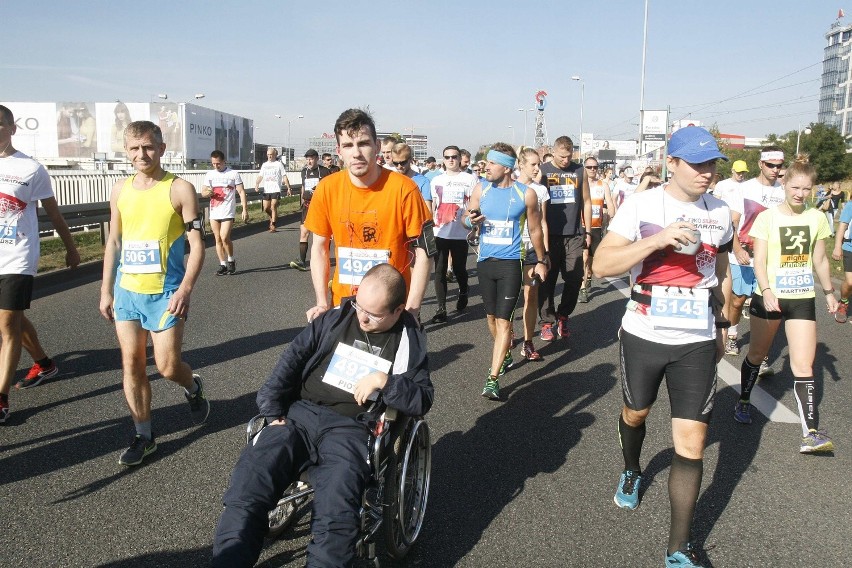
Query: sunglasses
x,y
591,167
397,164
773,166
453,157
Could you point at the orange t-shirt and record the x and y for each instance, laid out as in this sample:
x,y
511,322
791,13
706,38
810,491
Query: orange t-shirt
x,y
370,225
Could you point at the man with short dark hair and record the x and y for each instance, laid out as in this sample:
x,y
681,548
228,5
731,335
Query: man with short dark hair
x,y
387,150
401,160
328,162
23,183
146,285
568,212
220,185
271,177
317,402
312,173
432,168
464,164
374,216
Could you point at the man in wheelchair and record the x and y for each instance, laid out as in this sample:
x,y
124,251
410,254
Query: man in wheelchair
x,y
317,402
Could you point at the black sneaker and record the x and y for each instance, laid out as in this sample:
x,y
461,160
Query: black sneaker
x,y
440,316
199,406
232,267
462,302
223,270
299,265
138,450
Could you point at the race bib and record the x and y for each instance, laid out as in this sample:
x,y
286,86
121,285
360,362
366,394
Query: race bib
x,y
794,281
310,185
673,307
562,194
353,263
9,234
349,365
141,257
454,195
497,232
596,211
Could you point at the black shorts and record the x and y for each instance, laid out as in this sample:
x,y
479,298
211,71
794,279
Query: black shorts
x,y
500,285
16,291
847,261
270,196
690,372
530,258
597,237
791,308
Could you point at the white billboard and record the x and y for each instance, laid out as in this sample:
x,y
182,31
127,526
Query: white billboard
x,y
36,134
623,148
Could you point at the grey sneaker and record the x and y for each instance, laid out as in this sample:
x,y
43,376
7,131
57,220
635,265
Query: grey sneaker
x,y
583,297
199,406
299,265
765,368
731,347
232,267
816,441
139,449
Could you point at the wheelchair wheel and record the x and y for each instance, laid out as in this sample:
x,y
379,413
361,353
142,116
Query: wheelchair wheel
x,y
407,486
281,517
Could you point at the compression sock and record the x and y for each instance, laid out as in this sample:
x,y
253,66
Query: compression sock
x,y
45,363
805,390
303,251
631,440
748,377
144,429
684,485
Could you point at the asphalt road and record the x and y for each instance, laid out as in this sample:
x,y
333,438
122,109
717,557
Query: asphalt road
x,y
525,482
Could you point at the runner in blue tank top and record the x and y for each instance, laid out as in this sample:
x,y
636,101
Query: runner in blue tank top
x,y
501,207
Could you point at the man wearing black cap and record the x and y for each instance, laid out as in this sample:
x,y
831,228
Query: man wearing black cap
x,y
312,173
432,168
673,240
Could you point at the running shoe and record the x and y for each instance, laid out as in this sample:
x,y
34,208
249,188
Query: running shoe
x,y
731,347
492,389
583,297
451,276
139,449
299,265
507,363
440,316
223,270
840,314
562,327
36,375
627,493
765,368
742,412
546,332
815,442
4,411
684,558
461,304
529,352
232,267
199,406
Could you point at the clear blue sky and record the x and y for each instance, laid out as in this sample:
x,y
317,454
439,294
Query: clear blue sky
x,y
457,71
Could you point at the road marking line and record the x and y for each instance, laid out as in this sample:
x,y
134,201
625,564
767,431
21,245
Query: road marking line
x,y
760,399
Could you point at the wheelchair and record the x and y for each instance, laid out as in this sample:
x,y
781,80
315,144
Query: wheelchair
x,y
395,497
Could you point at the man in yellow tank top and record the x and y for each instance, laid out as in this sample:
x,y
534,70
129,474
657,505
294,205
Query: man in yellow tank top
x,y
146,286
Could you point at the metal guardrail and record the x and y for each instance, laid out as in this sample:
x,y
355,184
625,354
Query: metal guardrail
x,y
85,215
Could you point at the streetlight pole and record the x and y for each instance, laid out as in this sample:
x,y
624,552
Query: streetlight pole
x,y
289,122
526,112
799,136
582,103
512,130
642,86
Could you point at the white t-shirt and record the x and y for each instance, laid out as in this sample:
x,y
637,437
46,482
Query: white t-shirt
x,y
273,176
685,276
450,195
729,190
753,199
23,182
543,195
224,184
622,190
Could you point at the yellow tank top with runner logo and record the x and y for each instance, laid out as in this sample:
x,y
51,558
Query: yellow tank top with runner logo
x,y
152,238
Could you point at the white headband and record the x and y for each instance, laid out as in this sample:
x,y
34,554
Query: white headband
x,y
774,155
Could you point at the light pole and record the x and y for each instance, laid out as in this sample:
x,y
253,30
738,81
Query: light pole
x,y
289,122
799,136
512,130
526,112
582,102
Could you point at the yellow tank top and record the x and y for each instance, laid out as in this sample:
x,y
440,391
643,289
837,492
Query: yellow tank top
x,y
152,239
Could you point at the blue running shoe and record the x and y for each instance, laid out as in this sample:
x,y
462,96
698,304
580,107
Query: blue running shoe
x,y
687,558
627,494
742,412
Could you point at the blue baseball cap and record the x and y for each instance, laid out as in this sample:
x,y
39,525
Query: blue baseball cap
x,y
695,145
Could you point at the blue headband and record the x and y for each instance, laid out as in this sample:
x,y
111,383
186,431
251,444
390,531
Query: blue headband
x,y
501,158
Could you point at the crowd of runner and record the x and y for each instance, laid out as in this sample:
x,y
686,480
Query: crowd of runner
x,y
697,262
